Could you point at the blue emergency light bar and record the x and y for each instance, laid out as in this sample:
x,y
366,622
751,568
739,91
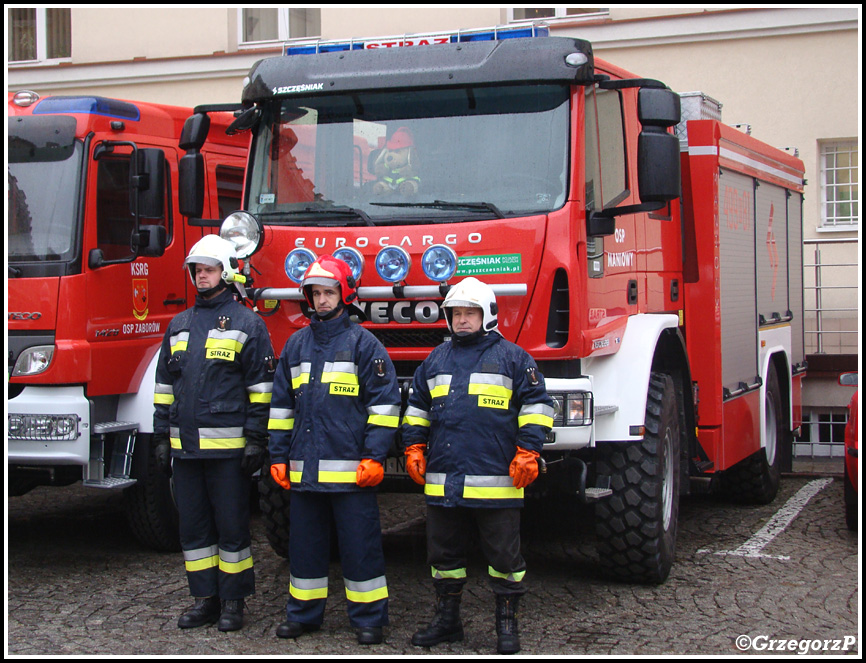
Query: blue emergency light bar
x,y
120,110
486,34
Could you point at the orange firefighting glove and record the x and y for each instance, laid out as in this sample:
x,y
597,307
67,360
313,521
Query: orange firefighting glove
x,y
369,473
524,468
278,472
416,465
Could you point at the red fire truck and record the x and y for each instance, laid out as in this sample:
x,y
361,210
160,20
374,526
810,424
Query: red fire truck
x,y
650,266
95,254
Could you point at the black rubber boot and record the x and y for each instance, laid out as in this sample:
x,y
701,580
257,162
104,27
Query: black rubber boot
x,y
508,641
204,611
232,617
369,635
446,625
295,629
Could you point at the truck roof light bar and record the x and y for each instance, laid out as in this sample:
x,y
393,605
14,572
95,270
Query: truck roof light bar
x,y
307,47
120,110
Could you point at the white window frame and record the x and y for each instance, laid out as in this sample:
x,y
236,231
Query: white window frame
x,y
834,147
41,42
558,13
282,29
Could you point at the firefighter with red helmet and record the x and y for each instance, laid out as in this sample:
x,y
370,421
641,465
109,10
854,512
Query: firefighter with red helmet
x,y
333,418
480,411
213,388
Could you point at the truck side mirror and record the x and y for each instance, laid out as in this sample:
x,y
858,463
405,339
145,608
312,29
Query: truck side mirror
x,y
149,180
658,167
190,188
658,152
658,155
191,166
152,241
194,132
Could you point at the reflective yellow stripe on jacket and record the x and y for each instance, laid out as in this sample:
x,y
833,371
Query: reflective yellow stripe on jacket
x,y
281,419
338,471
491,488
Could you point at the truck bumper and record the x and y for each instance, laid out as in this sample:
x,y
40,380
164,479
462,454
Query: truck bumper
x,y
48,426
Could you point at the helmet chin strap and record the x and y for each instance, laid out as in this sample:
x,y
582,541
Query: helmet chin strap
x,y
210,292
333,313
467,338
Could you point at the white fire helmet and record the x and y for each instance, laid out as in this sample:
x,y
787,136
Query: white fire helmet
x,y
471,292
215,251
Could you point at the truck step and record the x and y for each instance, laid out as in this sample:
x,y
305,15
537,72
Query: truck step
x,y
109,482
594,494
107,427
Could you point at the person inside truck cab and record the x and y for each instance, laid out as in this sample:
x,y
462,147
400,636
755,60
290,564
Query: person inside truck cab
x,y
479,410
214,379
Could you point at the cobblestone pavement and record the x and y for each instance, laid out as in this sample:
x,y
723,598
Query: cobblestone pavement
x,y
78,584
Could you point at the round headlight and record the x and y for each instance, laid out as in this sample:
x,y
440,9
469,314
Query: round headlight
x,y
353,258
298,262
393,264
244,231
439,263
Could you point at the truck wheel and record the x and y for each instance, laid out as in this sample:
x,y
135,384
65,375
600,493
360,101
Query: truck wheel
x,y
755,480
637,525
274,502
150,509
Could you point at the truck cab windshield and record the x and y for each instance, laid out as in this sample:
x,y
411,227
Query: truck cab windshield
x,y
43,177
412,156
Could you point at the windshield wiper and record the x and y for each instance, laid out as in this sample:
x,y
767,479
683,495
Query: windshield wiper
x,y
325,211
443,204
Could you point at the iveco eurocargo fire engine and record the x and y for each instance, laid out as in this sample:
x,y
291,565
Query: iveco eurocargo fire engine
x,y
650,265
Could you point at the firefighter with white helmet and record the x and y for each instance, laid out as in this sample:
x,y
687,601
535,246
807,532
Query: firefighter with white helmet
x,y
334,416
479,410
213,388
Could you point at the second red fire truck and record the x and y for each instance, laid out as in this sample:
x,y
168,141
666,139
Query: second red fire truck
x,y
652,267
95,250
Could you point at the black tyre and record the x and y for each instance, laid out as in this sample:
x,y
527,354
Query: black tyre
x,y
637,526
755,480
149,505
274,503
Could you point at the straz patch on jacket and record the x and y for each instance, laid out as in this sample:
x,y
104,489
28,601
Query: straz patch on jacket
x,y
343,389
498,402
219,353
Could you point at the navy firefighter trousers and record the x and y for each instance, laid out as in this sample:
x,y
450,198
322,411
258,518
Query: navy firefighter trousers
x,y
356,516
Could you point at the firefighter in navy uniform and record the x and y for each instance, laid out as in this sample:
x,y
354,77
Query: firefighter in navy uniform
x,y
480,411
334,416
213,391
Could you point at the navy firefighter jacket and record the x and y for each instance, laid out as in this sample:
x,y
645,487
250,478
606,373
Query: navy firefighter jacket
x,y
214,379
335,402
473,404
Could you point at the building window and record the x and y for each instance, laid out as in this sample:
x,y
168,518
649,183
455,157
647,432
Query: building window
x,y
279,24
36,35
539,13
840,197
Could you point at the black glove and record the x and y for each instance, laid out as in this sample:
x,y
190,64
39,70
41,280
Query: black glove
x,y
162,452
255,452
254,458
